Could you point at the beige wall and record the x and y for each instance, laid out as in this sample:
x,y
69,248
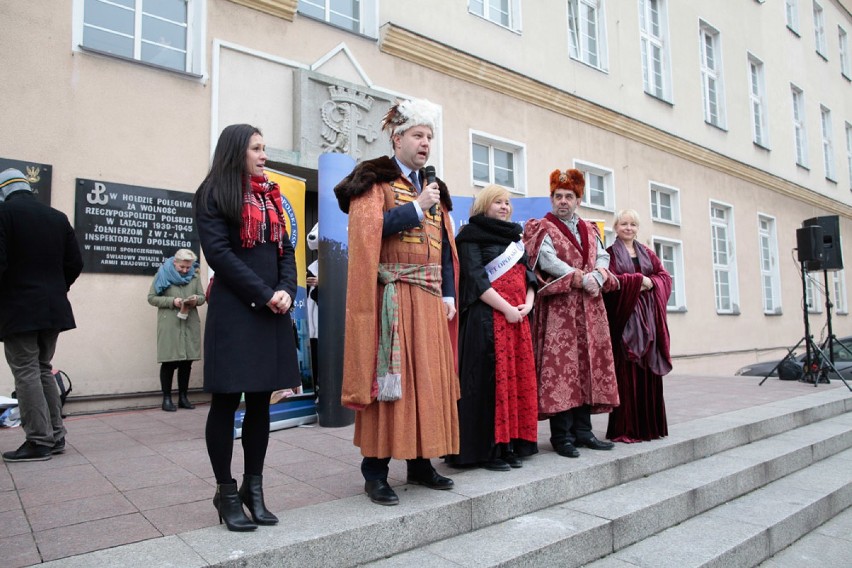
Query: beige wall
x,y
98,117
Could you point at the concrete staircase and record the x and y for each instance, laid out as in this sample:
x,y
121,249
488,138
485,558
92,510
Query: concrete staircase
x,y
730,490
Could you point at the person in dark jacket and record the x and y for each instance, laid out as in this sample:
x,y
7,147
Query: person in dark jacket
x,y
249,346
39,260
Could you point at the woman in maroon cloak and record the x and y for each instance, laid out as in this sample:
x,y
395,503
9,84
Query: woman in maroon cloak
x,y
640,334
498,409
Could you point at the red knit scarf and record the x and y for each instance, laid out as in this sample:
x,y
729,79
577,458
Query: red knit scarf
x,y
262,205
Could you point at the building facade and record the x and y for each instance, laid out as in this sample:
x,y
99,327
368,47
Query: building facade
x,y
725,125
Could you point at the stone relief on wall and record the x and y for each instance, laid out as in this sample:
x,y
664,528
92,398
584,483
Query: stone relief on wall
x,y
332,115
343,121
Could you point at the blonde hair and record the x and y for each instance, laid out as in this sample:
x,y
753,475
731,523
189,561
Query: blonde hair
x,y
185,254
626,213
486,197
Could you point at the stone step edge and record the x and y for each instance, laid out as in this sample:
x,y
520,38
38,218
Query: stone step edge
x,y
638,521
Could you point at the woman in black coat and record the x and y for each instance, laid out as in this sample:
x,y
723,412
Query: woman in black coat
x,y
249,346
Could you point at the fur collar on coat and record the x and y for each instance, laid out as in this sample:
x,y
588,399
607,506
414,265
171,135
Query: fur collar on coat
x,y
368,173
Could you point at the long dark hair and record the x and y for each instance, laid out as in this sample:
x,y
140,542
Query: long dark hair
x,y
227,179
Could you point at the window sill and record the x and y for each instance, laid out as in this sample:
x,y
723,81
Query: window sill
x,y
777,312
716,126
335,26
498,24
832,181
184,74
676,309
600,69
661,99
597,207
731,313
846,76
672,222
794,32
821,54
760,146
803,166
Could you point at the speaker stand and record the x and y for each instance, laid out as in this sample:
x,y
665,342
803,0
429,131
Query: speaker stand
x,y
814,353
831,340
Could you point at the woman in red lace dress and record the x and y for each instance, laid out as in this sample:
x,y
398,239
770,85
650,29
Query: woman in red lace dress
x,y
639,333
498,409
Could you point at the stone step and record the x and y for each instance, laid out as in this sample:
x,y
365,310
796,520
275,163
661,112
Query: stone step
x,y
532,501
582,530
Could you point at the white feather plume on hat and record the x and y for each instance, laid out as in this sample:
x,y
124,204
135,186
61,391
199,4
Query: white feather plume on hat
x,y
415,112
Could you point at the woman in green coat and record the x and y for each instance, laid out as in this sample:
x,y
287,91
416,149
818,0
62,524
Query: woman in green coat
x,y
177,292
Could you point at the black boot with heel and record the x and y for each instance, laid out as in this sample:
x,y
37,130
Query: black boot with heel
x,y
251,494
230,507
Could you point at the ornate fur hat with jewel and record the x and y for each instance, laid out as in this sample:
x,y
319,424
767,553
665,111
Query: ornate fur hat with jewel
x,y
405,114
572,180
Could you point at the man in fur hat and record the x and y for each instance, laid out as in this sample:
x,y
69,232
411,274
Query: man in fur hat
x,y
39,260
399,369
570,329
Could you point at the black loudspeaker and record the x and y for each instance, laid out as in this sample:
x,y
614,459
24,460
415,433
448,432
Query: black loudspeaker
x,y
832,253
809,246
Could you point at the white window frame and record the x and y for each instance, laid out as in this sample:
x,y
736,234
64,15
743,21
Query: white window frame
x,y
791,12
519,163
196,34
677,299
843,50
656,189
848,130
712,75
819,31
800,130
657,85
827,143
813,292
757,101
579,40
368,16
484,9
609,185
728,268
841,302
770,271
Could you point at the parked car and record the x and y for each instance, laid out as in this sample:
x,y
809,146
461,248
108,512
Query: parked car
x,y
842,362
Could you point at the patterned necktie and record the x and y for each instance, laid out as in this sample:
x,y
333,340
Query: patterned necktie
x,y
414,176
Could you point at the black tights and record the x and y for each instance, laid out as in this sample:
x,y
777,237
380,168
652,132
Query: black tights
x,y
167,371
220,433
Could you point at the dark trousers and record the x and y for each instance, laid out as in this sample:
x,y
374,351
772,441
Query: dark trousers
x,y
377,468
571,425
167,371
29,356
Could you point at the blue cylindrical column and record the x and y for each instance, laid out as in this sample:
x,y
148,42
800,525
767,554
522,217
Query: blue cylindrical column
x,y
333,265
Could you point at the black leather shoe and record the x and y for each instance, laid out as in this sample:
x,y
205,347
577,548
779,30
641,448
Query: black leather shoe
x,y
28,452
595,444
496,465
513,460
567,450
432,480
380,492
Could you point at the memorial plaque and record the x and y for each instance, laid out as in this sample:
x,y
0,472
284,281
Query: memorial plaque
x,y
127,229
40,176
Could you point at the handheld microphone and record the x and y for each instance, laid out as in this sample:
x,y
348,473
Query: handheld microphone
x,y
429,172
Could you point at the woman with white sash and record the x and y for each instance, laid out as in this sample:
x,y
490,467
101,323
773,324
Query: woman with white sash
x,y
498,409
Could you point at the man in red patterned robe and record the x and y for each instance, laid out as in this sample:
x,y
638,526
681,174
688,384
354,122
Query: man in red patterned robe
x,y
576,375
